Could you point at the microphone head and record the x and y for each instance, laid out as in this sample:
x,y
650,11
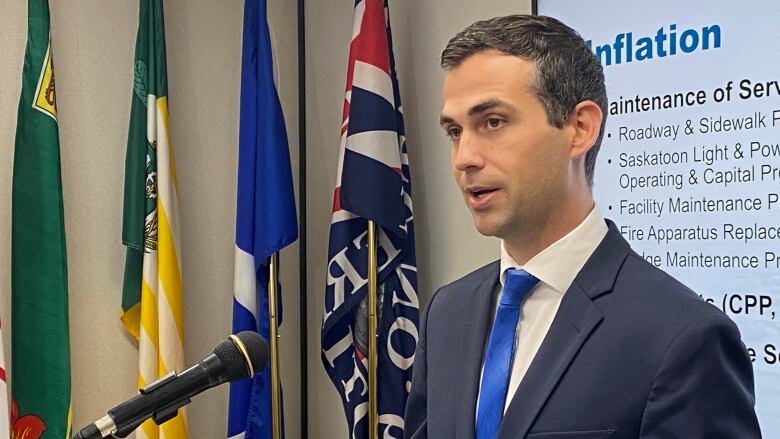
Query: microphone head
x,y
243,355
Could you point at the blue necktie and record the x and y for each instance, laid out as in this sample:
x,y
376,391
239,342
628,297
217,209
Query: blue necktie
x,y
500,352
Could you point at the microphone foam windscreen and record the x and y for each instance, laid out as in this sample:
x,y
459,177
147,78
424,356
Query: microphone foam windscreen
x,y
257,348
234,360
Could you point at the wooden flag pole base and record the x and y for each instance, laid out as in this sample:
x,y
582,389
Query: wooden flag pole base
x,y
276,399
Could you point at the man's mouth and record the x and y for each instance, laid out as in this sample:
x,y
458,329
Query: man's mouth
x,y
479,193
480,197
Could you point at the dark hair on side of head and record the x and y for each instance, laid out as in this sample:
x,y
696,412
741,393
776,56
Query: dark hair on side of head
x,y
567,72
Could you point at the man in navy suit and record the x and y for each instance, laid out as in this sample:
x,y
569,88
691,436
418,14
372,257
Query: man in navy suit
x,y
570,334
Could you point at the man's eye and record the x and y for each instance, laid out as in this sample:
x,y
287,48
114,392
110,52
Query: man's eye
x,y
453,132
494,122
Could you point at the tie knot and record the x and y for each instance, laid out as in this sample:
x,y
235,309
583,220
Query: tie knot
x,y
516,284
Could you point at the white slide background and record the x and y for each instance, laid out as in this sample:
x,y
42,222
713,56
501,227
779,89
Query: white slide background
x,y
730,256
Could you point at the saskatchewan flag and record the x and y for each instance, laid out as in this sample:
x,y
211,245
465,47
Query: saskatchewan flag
x,y
152,293
40,374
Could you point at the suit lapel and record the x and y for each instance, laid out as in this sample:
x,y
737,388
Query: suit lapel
x,y
477,317
577,317
575,321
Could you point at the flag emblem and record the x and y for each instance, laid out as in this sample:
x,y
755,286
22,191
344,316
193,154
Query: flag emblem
x,y
27,426
45,99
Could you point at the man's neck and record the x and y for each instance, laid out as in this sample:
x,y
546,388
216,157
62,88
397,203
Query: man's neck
x,y
527,245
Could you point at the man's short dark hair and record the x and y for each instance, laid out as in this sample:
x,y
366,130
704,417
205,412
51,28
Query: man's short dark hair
x,y
567,72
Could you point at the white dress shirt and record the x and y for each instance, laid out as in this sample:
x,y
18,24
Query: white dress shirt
x,y
556,267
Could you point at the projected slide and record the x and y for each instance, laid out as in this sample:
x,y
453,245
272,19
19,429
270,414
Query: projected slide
x,y
690,165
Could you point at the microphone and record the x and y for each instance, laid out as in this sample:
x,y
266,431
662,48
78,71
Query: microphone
x,y
238,357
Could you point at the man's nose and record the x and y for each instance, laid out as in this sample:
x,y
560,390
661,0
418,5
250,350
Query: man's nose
x,y
467,155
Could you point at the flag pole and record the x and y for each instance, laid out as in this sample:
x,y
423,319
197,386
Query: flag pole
x,y
373,397
276,400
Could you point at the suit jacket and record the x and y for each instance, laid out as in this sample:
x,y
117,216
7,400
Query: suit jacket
x,y
631,353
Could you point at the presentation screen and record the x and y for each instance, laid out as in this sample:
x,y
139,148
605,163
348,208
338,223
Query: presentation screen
x,y
690,164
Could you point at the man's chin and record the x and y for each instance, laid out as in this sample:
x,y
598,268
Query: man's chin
x,y
486,228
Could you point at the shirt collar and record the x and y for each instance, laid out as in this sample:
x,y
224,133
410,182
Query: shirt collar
x,y
558,264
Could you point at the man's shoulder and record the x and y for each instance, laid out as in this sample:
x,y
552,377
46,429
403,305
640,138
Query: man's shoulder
x,y
473,279
457,289
653,291
641,285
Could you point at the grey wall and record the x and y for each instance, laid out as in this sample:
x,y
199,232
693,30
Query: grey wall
x,y
447,245
93,45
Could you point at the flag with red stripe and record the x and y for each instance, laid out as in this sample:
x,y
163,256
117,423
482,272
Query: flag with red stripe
x,y
373,183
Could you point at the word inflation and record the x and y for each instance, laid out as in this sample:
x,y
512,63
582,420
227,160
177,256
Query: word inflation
x,y
626,49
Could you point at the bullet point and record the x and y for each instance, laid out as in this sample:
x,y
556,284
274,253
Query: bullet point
x,y
609,134
609,161
610,207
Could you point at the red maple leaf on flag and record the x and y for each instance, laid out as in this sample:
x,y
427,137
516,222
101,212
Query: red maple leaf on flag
x,y
26,427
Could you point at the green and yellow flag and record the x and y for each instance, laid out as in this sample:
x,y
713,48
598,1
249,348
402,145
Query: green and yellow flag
x,y
40,374
152,294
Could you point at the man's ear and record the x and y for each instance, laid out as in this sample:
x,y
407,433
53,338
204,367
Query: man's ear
x,y
585,120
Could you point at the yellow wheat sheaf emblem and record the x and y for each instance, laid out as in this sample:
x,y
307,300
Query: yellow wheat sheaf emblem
x,y
45,100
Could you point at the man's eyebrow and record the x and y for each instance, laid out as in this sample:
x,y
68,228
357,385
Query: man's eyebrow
x,y
445,120
484,106
476,109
